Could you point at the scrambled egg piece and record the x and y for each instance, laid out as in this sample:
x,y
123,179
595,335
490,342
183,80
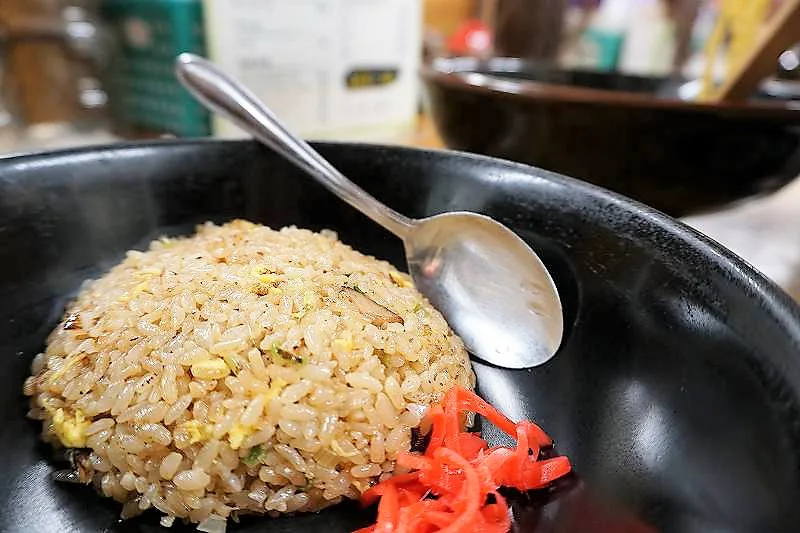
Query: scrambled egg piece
x,y
268,279
266,283
275,388
237,434
264,275
210,369
400,280
309,299
127,297
139,288
70,429
197,431
266,289
344,343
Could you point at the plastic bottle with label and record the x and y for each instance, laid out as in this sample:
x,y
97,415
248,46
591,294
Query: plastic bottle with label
x,y
331,69
649,45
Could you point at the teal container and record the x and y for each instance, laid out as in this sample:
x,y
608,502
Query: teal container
x,y
606,47
144,94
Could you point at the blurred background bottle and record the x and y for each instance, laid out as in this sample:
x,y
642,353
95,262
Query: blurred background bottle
x,y
649,42
146,99
344,69
54,54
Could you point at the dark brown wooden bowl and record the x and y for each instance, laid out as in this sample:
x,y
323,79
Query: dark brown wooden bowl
x,y
629,134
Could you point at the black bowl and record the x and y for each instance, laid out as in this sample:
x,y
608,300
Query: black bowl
x,y
676,392
626,133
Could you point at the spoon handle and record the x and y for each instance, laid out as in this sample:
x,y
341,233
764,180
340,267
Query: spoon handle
x,y
224,95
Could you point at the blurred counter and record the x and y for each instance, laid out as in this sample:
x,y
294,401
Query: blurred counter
x,y
55,137
763,231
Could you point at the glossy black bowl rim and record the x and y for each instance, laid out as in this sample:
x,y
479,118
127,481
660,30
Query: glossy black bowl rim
x,y
784,310
462,73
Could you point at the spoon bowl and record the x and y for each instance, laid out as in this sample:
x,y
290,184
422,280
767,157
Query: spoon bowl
x,y
494,291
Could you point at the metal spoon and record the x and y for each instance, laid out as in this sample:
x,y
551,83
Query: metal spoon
x,y
491,287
